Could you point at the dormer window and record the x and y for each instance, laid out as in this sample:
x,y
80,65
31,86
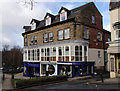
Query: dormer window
x,y
33,27
48,20
63,15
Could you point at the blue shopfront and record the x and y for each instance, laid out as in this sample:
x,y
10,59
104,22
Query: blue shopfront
x,y
73,69
31,69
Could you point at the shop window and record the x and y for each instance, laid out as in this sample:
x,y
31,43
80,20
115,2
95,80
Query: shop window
x,y
60,35
35,39
86,33
67,33
36,71
50,36
43,68
42,54
45,37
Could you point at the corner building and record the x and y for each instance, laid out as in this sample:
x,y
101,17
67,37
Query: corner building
x,y
70,43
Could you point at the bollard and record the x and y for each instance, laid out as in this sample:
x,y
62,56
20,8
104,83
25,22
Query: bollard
x,y
101,77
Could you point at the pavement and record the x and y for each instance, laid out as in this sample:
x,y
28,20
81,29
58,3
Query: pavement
x,y
7,85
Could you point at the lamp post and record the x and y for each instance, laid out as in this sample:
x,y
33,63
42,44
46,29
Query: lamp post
x,y
3,71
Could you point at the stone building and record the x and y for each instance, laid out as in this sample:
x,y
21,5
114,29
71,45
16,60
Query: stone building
x,y
71,42
114,44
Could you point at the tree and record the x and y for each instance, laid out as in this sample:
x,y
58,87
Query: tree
x,y
12,57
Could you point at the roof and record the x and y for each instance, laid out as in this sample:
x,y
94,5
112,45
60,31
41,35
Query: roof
x,y
114,4
56,19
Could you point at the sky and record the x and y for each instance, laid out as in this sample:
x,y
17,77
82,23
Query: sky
x,y
14,14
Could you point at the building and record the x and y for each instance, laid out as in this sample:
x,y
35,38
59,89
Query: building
x,y
114,45
71,43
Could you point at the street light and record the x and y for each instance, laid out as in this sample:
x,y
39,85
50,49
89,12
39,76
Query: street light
x,y
3,71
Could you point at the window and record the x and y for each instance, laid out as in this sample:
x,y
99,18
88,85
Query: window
x,y
33,26
93,19
112,64
36,39
48,20
50,36
45,37
25,41
54,51
99,54
31,40
67,50
28,54
85,53
63,15
60,51
38,53
25,55
86,33
108,39
67,33
60,35
78,53
99,37
33,54
117,32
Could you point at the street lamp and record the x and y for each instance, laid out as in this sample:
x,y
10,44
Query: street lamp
x,y
3,71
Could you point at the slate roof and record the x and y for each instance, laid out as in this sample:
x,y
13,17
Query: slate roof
x,y
71,14
114,4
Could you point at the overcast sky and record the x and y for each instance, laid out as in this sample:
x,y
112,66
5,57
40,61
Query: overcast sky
x,y
14,15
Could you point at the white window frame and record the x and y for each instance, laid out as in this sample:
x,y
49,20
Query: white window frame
x,y
86,33
33,26
31,40
60,36
65,15
35,39
67,33
50,36
45,37
48,20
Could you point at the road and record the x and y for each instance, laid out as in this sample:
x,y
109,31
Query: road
x,y
77,84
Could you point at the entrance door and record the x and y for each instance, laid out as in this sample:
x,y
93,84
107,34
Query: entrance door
x,y
30,71
118,64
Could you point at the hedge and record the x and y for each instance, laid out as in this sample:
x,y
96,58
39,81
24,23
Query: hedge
x,y
22,83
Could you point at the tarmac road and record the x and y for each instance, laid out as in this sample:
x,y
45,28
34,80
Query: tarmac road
x,y
77,84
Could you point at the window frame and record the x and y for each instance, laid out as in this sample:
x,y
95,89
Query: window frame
x,y
65,33
93,19
60,38
50,36
46,37
86,33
